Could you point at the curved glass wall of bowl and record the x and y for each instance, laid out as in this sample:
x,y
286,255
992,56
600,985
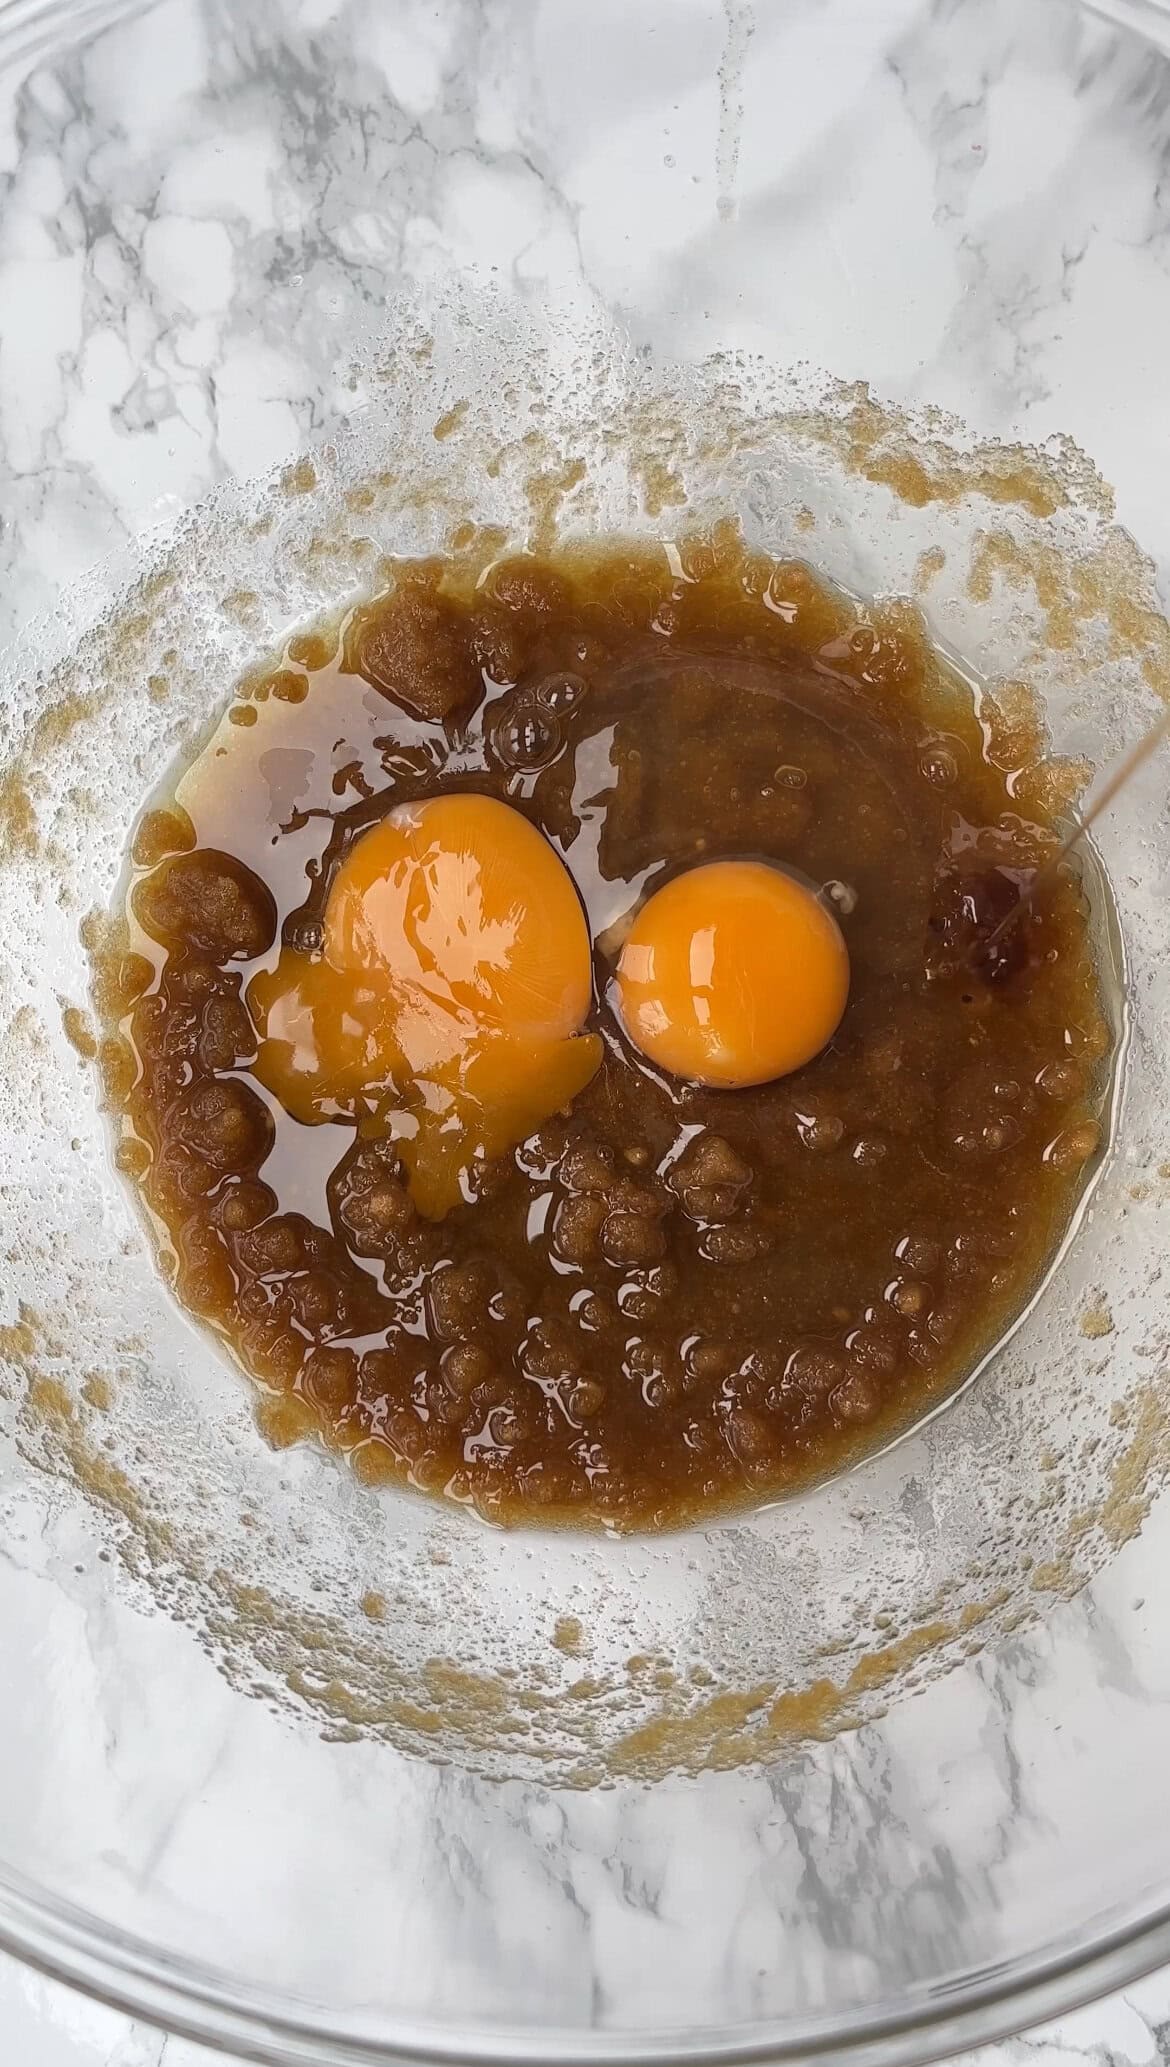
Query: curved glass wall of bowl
x,y
35,29
339,1775
1148,18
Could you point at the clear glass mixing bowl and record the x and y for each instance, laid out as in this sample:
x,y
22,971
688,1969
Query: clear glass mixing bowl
x,y
329,1775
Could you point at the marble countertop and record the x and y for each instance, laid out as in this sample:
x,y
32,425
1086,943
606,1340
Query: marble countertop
x,y
45,2025
189,248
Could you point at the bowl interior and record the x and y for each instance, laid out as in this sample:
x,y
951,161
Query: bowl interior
x,y
878,1754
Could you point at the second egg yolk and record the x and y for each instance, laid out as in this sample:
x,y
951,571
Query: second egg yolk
x,y
732,974
446,1003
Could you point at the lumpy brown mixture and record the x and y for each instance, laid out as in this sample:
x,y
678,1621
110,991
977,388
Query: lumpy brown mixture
x,y
670,1299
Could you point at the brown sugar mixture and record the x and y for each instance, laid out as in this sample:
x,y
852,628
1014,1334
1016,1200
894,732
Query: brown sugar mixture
x,y
464,1229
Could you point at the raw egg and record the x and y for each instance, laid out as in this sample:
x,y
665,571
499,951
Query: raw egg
x,y
446,1002
732,974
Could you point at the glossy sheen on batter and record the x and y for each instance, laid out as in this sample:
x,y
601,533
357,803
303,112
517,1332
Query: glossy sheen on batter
x,y
557,1043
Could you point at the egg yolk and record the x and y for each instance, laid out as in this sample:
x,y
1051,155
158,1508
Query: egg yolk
x,y
732,974
446,1001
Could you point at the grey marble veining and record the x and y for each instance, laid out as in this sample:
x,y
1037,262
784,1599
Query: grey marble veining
x,y
206,209
45,2025
199,261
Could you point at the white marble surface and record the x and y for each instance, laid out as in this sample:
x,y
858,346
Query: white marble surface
x,y
45,2025
199,219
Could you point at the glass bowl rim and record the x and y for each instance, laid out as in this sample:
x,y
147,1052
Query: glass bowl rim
x,y
74,1947
68,1944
